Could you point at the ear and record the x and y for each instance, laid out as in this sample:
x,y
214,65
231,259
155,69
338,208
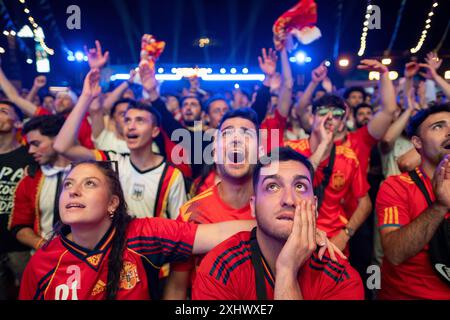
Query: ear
x,y
155,132
114,203
417,142
252,206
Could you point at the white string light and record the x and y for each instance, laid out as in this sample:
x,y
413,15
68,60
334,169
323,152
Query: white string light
x,y
38,35
425,29
365,30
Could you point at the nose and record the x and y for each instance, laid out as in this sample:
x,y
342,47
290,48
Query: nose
x,y
288,198
75,191
130,125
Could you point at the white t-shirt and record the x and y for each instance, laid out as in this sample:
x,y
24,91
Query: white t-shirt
x,y
107,140
141,187
47,197
389,160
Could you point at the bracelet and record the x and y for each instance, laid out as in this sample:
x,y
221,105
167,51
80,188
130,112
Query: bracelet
x,y
38,244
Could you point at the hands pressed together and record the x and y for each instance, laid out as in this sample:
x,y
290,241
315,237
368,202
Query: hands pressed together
x,y
304,239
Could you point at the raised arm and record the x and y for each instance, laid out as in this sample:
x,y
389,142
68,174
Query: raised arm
x,y
325,144
431,73
150,86
285,97
317,75
268,65
96,114
210,235
38,84
397,127
26,106
381,121
65,142
400,244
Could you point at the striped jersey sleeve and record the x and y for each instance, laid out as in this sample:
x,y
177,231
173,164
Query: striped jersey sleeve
x,y
161,240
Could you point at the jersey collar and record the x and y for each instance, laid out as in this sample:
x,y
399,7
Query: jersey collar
x,y
93,258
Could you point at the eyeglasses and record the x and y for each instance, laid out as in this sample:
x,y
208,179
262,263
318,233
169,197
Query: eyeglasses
x,y
337,113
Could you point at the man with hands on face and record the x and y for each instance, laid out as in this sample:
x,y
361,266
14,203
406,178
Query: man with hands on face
x,y
413,210
338,172
279,259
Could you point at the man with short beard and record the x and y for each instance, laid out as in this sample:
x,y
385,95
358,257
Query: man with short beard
x,y
363,112
279,259
35,203
236,151
413,215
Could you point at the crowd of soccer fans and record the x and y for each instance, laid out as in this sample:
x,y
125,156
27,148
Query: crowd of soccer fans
x,y
281,193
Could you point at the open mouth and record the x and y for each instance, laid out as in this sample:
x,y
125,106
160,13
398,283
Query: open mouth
x,y
132,136
236,156
446,144
75,205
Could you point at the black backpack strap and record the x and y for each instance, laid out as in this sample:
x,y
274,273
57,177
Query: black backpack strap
x,y
419,183
258,266
319,191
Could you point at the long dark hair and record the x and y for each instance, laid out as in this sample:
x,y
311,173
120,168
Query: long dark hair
x,y
120,221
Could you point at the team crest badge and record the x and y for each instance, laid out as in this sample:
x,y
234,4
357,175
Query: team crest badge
x,y
338,181
95,259
128,276
138,192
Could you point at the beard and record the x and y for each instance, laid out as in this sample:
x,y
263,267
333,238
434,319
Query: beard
x,y
270,230
363,123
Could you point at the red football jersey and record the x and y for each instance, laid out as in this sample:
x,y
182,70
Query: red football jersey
x,y
207,207
273,127
65,271
361,142
347,177
227,273
399,202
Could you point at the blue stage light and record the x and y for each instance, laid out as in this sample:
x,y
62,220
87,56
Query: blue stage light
x,y
300,57
223,70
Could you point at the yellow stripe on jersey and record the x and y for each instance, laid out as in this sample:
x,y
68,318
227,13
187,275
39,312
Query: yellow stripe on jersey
x,y
406,179
385,215
396,215
343,219
98,155
185,207
347,152
146,259
391,215
54,272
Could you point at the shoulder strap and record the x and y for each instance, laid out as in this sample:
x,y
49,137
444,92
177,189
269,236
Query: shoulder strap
x,y
257,265
320,189
419,183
